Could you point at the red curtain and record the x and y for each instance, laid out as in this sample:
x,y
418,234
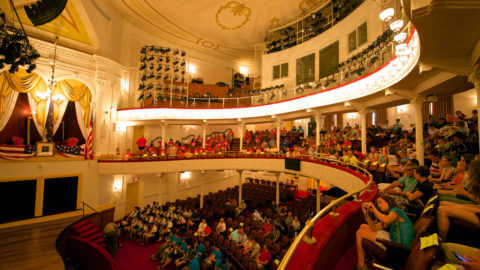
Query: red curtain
x,y
17,124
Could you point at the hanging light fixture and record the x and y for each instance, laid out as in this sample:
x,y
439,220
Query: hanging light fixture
x,y
396,25
15,48
387,14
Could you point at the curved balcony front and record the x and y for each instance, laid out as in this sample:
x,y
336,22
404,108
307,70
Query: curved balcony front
x,y
385,76
346,179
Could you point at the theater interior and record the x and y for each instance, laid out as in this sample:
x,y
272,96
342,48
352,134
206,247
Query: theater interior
x,y
239,134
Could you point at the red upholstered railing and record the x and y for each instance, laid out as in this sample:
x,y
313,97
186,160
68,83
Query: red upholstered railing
x,y
84,254
334,234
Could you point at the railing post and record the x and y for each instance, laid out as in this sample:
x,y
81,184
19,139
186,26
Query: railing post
x,y
238,102
223,102
334,212
208,102
194,105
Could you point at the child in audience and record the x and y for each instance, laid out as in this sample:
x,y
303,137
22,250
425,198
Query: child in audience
x,y
387,214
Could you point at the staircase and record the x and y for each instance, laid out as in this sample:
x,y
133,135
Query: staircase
x,y
87,230
235,145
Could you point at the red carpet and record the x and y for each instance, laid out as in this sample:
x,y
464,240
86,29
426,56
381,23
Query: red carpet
x,y
348,261
132,256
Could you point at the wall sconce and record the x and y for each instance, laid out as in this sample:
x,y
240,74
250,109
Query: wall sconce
x,y
244,71
185,175
121,127
124,85
118,183
192,69
352,115
402,108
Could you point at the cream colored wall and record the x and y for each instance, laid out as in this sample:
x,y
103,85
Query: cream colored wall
x,y
332,176
89,187
406,118
352,118
368,12
465,102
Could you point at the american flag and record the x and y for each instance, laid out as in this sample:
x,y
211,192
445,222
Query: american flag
x,y
17,152
68,151
88,146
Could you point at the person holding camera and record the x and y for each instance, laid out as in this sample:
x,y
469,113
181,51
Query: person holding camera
x,y
384,214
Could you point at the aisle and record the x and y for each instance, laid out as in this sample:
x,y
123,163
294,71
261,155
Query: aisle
x,y
132,256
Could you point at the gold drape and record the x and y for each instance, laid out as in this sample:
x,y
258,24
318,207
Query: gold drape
x,y
23,83
76,91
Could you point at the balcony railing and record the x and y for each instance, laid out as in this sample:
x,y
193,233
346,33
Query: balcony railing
x,y
373,57
330,209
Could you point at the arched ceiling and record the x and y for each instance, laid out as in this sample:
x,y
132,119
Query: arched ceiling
x,y
225,28
70,23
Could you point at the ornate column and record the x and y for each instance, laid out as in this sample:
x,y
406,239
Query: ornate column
x,y
317,130
363,115
417,102
240,182
279,122
201,189
164,129
204,135
242,133
277,188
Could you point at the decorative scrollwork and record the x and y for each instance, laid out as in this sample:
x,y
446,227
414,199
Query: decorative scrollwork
x,y
237,9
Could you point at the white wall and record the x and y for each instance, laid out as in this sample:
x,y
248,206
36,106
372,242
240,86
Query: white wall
x,y
406,118
465,102
338,32
352,119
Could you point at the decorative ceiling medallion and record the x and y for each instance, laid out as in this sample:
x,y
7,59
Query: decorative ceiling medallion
x,y
207,44
233,15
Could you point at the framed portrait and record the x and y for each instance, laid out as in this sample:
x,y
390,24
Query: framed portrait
x,y
45,149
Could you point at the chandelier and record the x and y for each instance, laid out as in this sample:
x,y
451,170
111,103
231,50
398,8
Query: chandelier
x,y
15,49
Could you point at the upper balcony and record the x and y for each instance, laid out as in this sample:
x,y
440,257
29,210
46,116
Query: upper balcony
x,y
370,71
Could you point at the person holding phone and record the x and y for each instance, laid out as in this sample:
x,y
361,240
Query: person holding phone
x,y
467,256
387,215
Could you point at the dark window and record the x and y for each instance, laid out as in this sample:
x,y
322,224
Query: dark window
x,y
306,69
329,60
362,34
352,41
60,195
17,200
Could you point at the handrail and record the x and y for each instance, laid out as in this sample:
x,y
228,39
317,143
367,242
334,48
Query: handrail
x,y
343,76
311,223
83,208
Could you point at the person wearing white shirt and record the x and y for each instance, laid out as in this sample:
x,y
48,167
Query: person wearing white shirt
x,y
221,227
201,228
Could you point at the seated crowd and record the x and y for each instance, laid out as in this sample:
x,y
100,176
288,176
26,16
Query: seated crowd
x,y
445,192
214,144
250,234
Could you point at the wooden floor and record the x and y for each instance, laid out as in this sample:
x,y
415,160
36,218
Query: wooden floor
x,y
32,246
